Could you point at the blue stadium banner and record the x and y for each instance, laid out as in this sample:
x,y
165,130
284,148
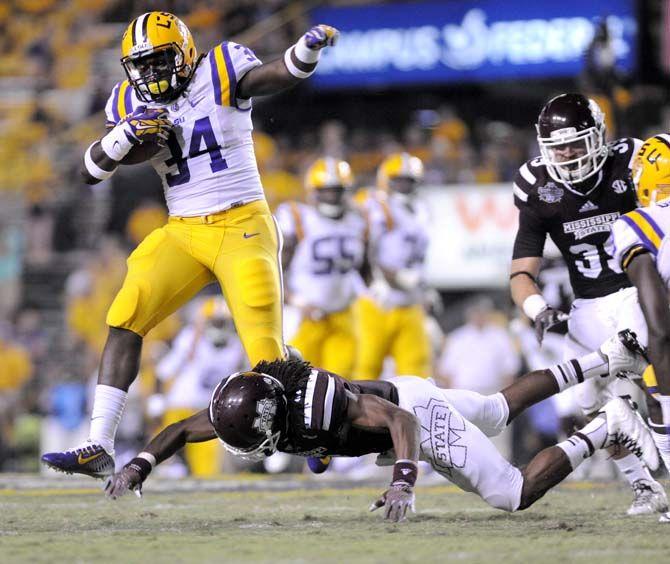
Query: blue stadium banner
x,y
469,40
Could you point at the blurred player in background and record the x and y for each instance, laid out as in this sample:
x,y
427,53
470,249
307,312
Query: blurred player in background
x,y
391,318
323,253
574,192
641,251
190,114
202,353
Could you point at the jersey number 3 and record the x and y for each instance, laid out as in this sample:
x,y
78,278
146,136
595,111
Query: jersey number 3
x,y
593,259
202,131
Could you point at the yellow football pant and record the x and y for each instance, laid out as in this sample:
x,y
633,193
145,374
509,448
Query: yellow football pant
x,y
329,343
203,459
238,247
399,332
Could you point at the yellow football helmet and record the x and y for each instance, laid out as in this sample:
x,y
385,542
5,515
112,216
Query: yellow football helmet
x,y
159,56
403,167
651,170
328,183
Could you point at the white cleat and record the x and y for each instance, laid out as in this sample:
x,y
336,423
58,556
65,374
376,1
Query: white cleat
x,y
625,427
624,353
649,498
665,517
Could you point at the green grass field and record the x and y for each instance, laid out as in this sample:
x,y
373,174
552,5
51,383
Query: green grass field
x,y
299,520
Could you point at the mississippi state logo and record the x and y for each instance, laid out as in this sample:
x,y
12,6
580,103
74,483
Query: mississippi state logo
x,y
266,410
550,193
619,186
444,429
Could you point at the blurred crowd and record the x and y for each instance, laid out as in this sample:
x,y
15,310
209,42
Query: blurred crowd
x,y
63,245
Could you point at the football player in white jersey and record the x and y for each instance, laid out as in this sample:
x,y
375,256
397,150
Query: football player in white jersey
x,y
323,253
190,115
391,316
202,353
641,250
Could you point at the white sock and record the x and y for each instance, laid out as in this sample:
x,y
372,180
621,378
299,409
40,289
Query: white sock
x,y
633,469
108,405
585,442
575,371
662,442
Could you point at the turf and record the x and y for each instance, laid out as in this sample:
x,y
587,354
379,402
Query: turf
x,y
576,523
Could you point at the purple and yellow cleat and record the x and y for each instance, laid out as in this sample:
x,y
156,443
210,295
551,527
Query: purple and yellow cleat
x,y
89,459
319,465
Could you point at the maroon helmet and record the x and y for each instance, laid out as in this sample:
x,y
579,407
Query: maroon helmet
x,y
248,412
571,136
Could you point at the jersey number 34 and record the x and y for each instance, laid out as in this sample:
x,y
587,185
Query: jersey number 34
x,y
202,131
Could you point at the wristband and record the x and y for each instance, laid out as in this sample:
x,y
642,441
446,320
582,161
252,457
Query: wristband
x,y
405,472
300,60
533,305
142,464
93,169
408,279
116,143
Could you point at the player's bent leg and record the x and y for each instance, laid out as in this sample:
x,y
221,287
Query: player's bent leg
x,y
372,333
162,275
411,346
617,424
248,270
339,346
308,339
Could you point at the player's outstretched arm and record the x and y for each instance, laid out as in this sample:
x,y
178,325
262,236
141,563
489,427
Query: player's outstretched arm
x,y
372,412
194,429
653,297
299,62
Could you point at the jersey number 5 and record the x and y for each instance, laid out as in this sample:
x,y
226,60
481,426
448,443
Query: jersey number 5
x,y
202,131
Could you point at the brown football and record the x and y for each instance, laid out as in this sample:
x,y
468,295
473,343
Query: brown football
x,y
141,153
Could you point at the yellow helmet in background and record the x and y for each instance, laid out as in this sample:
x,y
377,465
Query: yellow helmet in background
x,y
159,56
215,321
328,172
399,166
329,183
651,170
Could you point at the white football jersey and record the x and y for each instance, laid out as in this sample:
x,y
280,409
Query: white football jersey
x,y
324,272
644,228
194,366
209,163
399,239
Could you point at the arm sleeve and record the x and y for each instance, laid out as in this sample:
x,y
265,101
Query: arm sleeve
x,y
229,62
175,359
530,237
627,242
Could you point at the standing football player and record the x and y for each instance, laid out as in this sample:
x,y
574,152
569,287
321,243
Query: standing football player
x,y
641,251
190,115
322,255
391,317
574,192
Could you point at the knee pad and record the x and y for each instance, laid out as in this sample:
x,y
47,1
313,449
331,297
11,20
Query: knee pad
x,y
124,308
258,282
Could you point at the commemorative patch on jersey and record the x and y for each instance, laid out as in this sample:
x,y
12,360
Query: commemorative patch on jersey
x,y
550,193
589,225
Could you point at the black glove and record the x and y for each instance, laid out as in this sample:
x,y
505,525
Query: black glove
x,y
396,500
129,479
122,482
546,319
